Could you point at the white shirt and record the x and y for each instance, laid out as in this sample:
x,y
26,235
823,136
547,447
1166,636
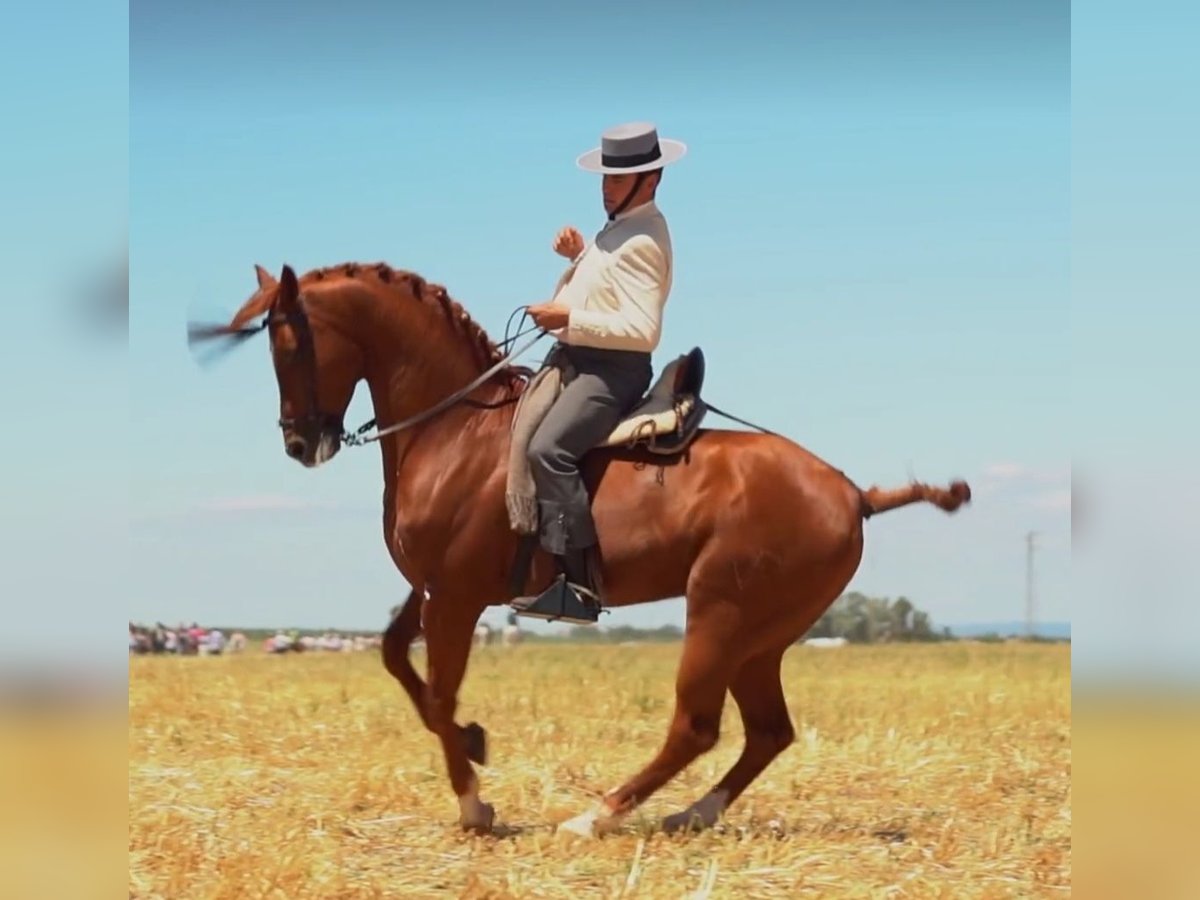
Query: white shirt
x,y
618,287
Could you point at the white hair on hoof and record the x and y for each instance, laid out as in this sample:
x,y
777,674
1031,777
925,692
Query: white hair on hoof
x,y
474,814
597,821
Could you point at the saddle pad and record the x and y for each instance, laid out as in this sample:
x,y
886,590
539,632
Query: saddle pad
x,y
640,427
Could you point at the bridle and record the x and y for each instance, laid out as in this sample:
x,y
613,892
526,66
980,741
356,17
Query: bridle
x,y
314,424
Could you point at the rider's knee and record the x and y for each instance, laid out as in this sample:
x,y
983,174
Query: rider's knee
x,y
543,453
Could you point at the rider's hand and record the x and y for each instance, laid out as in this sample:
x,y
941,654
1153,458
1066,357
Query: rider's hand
x,y
568,243
550,316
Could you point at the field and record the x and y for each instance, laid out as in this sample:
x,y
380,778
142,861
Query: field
x,y
918,771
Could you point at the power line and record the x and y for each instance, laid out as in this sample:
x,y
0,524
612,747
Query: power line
x,y
1029,595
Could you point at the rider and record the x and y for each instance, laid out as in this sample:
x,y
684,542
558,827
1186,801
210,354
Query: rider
x,y
607,317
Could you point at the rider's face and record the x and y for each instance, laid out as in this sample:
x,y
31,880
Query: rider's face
x,y
617,187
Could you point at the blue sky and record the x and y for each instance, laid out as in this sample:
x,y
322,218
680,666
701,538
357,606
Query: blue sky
x,y
63,216
872,245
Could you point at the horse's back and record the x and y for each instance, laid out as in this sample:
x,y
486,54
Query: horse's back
x,y
716,451
726,479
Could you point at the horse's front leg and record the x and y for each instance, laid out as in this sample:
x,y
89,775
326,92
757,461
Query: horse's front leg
x,y
449,629
397,640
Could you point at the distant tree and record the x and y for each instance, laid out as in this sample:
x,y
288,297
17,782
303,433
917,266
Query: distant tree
x,y
921,629
863,620
901,610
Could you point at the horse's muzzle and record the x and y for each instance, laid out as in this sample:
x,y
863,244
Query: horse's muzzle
x,y
312,448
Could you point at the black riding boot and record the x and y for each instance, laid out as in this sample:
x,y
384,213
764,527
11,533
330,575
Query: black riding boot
x,y
574,596
583,572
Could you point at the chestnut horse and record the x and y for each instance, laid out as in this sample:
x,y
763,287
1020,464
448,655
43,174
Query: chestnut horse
x,y
758,534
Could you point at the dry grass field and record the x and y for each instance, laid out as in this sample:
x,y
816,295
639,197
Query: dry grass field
x,y
918,771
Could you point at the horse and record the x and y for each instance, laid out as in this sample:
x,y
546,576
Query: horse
x,y
758,534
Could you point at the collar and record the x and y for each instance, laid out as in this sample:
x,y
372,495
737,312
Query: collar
x,y
647,208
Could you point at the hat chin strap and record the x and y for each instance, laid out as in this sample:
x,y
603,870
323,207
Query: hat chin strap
x,y
641,176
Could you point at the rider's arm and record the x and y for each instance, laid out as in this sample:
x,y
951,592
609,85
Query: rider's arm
x,y
568,273
641,278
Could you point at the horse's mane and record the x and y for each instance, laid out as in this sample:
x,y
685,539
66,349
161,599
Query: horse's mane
x,y
483,348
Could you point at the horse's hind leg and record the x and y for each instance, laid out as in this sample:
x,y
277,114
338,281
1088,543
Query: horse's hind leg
x,y
699,698
397,640
758,691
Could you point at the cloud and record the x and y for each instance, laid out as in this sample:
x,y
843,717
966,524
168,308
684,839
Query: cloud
x,y
1004,470
1014,471
1055,501
1045,488
256,503
248,509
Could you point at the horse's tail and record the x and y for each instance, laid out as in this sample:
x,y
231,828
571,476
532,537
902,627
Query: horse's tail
x,y
878,500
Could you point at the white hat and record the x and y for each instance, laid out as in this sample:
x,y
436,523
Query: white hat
x,y
632,147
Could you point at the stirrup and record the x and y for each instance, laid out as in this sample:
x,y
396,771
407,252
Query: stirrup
x,y
562,601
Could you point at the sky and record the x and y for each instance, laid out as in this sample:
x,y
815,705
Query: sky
x,y
64,204
872,245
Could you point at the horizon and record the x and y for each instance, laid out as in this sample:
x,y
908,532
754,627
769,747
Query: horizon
x,y
1043,630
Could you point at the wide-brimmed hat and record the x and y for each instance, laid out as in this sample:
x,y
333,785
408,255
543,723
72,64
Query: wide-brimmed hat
x,y
632,147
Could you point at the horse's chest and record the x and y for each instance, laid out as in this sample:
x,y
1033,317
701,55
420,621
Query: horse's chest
x,y
410,538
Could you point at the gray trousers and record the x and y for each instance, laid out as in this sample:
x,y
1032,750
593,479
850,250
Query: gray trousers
x,y
605,386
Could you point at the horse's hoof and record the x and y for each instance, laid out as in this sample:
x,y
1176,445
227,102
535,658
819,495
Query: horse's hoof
x,y
482,819
684,821
594,823
701,815
475,743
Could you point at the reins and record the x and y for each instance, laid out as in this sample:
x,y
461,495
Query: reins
x,y
359,436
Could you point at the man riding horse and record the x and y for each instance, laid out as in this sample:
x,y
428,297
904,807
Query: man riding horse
x,y
607,314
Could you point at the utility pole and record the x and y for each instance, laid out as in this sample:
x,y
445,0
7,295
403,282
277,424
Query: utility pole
x,y
1029,603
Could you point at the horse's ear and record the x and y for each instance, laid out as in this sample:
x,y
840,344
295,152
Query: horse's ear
x,y
259,303
265,279
289,288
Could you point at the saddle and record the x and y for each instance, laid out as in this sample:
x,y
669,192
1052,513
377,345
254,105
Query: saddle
x,y
667,418
665,421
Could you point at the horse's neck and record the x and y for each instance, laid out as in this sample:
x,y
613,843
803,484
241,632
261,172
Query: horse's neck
x,y
401,391
404,384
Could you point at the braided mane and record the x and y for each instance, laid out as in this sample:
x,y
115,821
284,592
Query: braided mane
x,y
484,349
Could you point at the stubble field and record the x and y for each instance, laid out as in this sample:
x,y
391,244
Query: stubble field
x,y
918,771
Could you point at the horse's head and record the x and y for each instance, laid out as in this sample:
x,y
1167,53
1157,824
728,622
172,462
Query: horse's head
x,y
316,366
335,326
